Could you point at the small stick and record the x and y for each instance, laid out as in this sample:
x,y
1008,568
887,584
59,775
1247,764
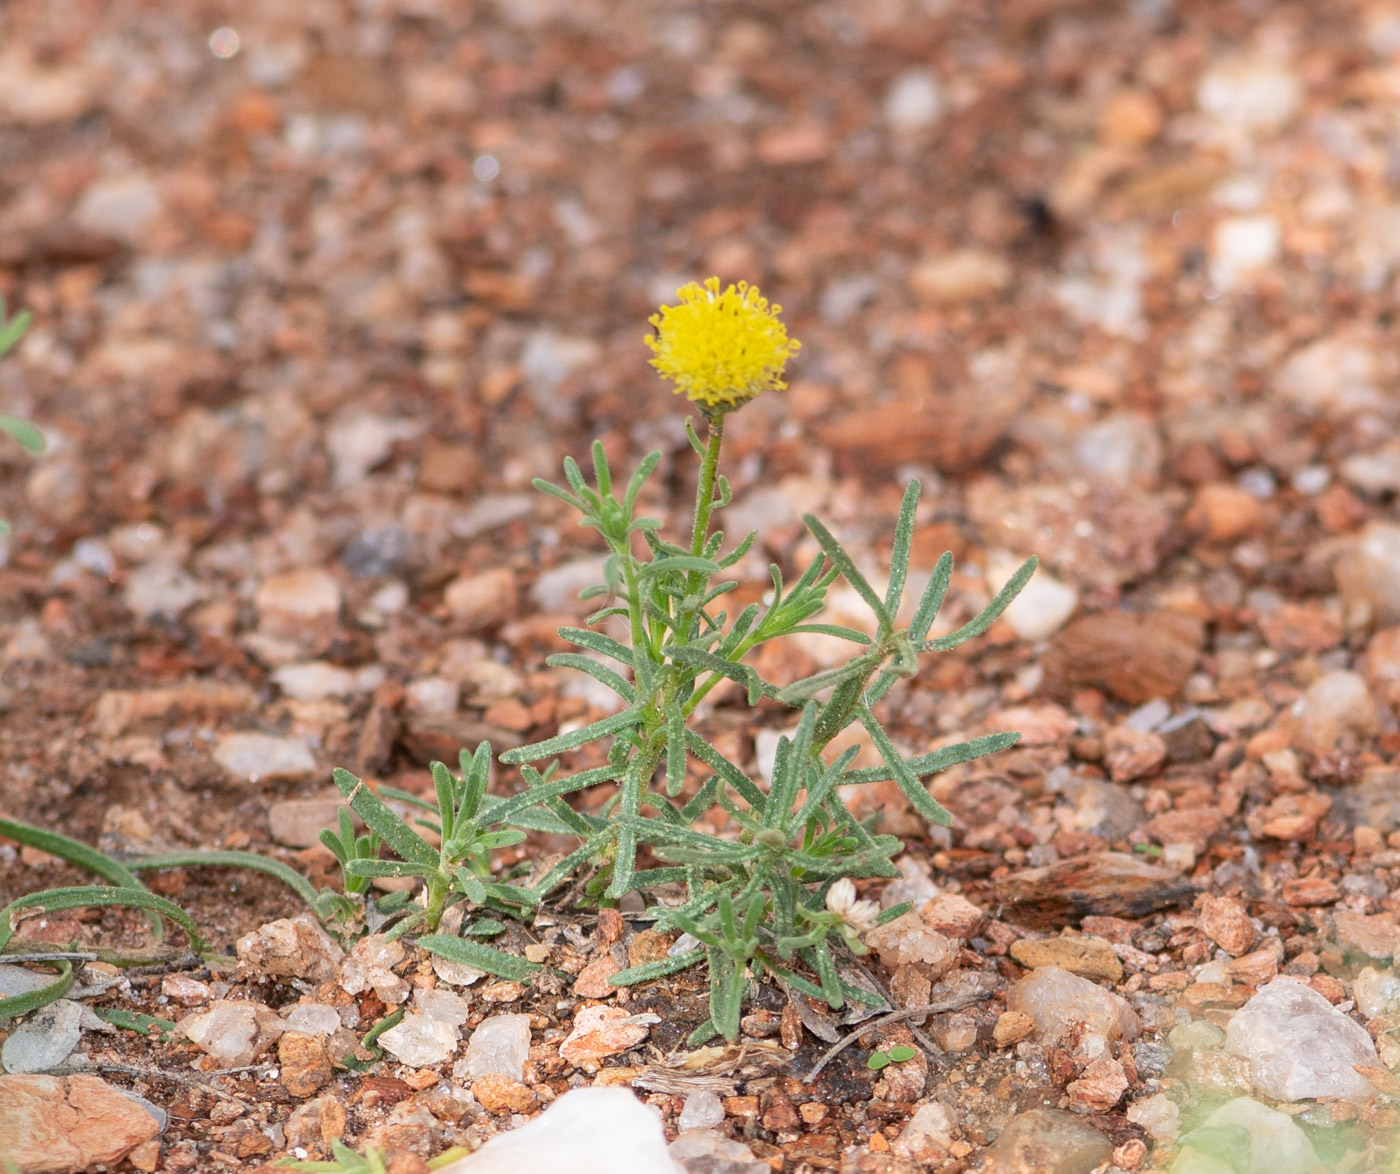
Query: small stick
x,y
951,1004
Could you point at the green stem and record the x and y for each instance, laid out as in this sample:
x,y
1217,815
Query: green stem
x,y
705,490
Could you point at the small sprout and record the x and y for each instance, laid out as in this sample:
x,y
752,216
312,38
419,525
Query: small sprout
x,y
883,1059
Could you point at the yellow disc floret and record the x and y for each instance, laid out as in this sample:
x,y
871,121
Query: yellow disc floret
x,y
721,349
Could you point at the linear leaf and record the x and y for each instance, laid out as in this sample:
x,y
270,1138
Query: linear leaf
x,y
81,896
837,554
937,760
919,798
599,672
486,958
14,1006
219,859
651,971
899,556
599,643
391,829
561,742
988,616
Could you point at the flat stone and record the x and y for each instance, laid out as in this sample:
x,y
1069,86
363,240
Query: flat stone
x,y
1273,1141
370,964
1071,1011
703,1151
500,1045
1091,958
1047,1141
50,1125
45,1039
233,1031
298,823
254,758
585,1131
1299,1047
1112,884
304,1063
599,1032
1133,656
420,1042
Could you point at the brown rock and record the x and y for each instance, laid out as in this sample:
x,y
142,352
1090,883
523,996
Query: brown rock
x,y
599,1032
1100,1087
1226,922
500,1094
1193,825
1087,957
50,1125
1132,754
119,710
1258,966
594,982
1135,657
317,1122
1011,1028
777,1110
1301,627
1375,936
953,915
1113,884
1309,890
1131,118
1290,817
1225,513
305,1063
483,600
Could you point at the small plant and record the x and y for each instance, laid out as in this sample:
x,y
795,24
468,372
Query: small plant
x,y
883,1059
344,1160
775,895
29,437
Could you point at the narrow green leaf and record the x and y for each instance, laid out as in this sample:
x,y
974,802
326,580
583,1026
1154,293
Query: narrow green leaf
x,y
839,630
899,556
81,896
937,760
147,1025
599,672
741,673
919,798
730,773
486,958
989,614
380,868
404,841
561,742
650,971
13,1006
837,554
507,809
29,437
675,750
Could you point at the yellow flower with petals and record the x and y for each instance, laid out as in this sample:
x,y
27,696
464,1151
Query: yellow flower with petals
x,y
721,349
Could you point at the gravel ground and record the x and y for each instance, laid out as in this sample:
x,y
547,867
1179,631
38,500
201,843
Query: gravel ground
x,y
319,288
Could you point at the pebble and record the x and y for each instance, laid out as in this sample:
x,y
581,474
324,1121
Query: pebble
x,y
313,1019
233,1031
1130,119
1274,1142
316,680
293,947
1377,992
599,1032
1125,448
1249,94
1376,935
1226,922
1091,958
298,823
255,758
304,1062
1102,1085
442,1005
433,696
913,101
556,590
1072,1012
1368,575
963,275
420,1042
1299,1046
1241,246
118,709
1101,808
1225,513
585,1131
907,940
122,206
381,550
1113,884
1335,377
1046,1140
1158,1115
45,1039
1335,713
360,441
501,1094
930,1132
1374,473
1134,656
704,1151
500,1045
1043,606
50,1125
370,965
1132,754
161,588
288,602
702,1110
482,600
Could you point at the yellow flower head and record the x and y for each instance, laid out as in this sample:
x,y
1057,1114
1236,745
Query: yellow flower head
x,y
721,349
